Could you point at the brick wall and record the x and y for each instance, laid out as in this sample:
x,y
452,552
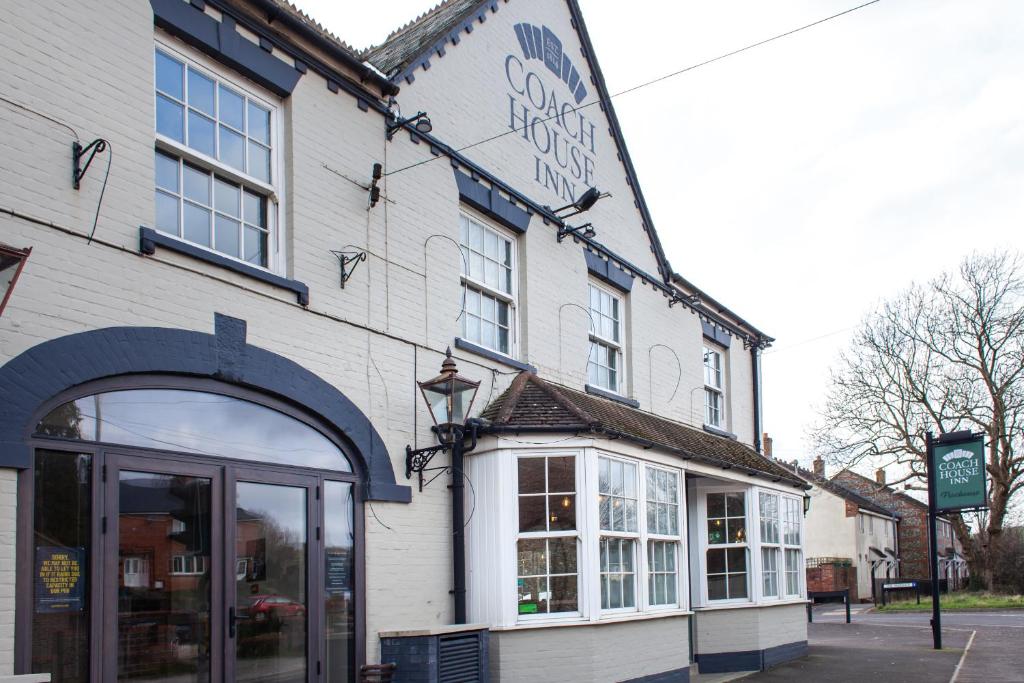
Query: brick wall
x,y
833,577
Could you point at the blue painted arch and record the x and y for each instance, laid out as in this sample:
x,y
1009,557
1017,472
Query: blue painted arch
x,y
39,374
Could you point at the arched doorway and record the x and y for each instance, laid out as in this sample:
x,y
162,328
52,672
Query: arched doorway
x,y
183,532
190,509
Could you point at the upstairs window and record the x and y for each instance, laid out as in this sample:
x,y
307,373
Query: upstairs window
x,y
488,285
604,367
714,388
216,175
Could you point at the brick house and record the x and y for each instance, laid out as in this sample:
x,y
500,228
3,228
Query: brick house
x,y
208,381
913,528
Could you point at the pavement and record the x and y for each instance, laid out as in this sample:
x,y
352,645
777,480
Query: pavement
x,y
879,647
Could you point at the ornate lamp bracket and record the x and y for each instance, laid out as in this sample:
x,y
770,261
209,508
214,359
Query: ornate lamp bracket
x,y
417,461
348,260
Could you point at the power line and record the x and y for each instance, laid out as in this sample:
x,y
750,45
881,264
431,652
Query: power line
x,y
646,83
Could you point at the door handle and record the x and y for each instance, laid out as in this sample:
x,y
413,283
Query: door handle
x,y
231,622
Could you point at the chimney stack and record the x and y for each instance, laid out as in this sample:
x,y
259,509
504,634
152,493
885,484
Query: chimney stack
x,y
767,441
880,476
819,466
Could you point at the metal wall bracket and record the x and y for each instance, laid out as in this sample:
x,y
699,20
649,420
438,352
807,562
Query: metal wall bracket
x,y
417,461
348,260
691,300
78,171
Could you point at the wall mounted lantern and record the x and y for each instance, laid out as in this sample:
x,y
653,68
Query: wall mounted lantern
x,y
586,200
449,398
420,120
12,262
807,503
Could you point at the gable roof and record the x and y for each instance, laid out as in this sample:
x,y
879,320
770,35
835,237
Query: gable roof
x,y
886,489
533,404
838,489
409,46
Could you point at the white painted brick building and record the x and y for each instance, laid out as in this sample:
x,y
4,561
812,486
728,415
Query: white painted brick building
x,y
157,520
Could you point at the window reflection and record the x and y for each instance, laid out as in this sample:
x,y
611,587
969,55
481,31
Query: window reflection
x,y
339,581
194,422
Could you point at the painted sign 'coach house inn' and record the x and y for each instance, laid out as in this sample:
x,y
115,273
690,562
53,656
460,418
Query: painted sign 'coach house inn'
x,y
233,248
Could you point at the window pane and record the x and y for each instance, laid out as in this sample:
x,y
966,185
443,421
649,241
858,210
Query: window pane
x,y
259,123
531,475
562,512
256,246
166,172
197,185
736,559
533,596
226,197
227,235
563,555
167,213
232,108
737,586
716,531
232,148
62,534
170,119
561,474
200,133
532,557
734,504
737,531
716,505
200,92
169,75
563,594
532,513
259,162
255,212
197,224
716,561
717,587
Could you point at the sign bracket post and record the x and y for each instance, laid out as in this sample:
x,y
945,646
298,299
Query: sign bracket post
x,y
933,546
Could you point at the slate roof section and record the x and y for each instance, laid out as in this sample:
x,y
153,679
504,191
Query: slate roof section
x,y
889,490
533,404
407,43
295,12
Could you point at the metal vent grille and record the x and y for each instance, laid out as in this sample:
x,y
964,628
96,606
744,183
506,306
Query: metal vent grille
x,y
459,659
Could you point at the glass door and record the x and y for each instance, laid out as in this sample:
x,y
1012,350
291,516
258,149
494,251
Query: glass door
x,y
272,545
164,550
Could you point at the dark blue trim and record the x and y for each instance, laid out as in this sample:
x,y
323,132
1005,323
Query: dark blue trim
x,y
149,239
220,40
674,676
493,355
611,396
490,202
720,432
38,375
750,660
607,272
453,34
716,333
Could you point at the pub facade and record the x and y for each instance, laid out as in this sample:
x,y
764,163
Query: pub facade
x,y
234,250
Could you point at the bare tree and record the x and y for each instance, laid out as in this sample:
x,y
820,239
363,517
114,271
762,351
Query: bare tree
x,y
942,357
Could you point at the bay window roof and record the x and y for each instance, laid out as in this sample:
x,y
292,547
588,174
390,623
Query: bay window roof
x,y
534,404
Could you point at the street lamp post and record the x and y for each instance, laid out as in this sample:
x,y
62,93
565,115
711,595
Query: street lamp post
x,y
449,398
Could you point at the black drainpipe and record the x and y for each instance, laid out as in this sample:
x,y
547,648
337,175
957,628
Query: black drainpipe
x,y
459,448
755,362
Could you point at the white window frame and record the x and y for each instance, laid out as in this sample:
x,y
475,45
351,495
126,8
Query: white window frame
x,y
650,537
536,535
748,545
791,514
275,191
774,547
613,346
465,281
188,565
714,386
589,534
621,534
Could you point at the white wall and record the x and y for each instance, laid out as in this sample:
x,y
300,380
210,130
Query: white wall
x,y
830,533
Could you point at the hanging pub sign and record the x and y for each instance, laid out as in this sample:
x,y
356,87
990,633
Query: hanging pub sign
x,y
60,579
959,471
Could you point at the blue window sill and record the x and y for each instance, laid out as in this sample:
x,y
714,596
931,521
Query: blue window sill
x,y
611,396
493,355
720,432
150,239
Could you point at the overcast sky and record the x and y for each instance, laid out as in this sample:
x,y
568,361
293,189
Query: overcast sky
x,y
802,182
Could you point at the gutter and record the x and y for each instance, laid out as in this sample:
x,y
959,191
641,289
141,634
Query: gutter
x,y
275,12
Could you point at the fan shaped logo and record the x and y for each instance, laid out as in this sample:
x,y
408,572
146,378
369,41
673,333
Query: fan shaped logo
x,y
958,454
